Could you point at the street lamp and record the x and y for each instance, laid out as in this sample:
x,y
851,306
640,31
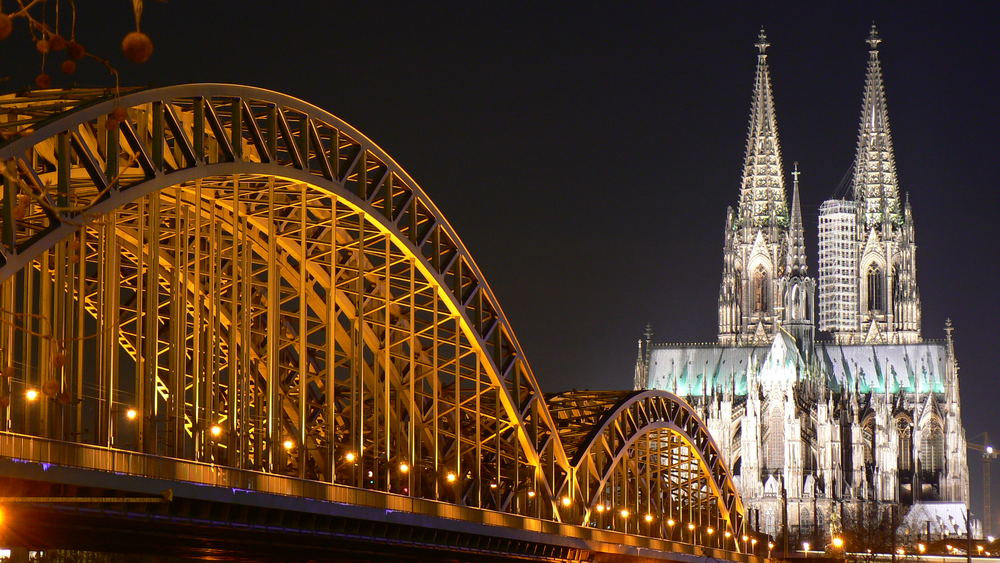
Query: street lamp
x,y
805,548
649,518
566,501
349,457
215,431
770,546
131,413
31,394
921,547
288,444
837,542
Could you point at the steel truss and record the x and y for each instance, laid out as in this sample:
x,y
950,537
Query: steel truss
x,y
231,275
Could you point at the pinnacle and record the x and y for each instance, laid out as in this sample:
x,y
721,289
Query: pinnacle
x,y
796,257
762,196
875,184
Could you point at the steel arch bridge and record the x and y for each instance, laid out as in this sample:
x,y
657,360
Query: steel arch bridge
x,y
231,277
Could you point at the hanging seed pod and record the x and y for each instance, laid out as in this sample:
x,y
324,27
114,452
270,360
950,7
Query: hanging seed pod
x,y
42,46
68,66
50,388
4,401
137,46
57,42
43,81
64,398
6,26
75,51
58,360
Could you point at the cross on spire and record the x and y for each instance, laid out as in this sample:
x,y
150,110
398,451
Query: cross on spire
x,y
762,43
873,38
795,171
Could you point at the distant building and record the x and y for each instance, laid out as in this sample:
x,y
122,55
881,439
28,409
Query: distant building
x,y
820,431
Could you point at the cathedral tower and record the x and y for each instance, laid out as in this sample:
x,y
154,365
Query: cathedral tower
x,y
883,306
754,255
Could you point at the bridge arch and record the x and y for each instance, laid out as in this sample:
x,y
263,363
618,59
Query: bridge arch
x,y
232,275
647,452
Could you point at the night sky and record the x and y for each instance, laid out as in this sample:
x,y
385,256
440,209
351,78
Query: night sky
x,y
586,151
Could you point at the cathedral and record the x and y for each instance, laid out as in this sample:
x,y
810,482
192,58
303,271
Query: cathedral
x,y
824,429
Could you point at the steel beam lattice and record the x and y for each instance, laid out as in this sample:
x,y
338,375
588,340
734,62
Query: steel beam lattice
x,y
231,275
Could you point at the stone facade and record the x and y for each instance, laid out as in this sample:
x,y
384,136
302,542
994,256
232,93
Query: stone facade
x,y
819,431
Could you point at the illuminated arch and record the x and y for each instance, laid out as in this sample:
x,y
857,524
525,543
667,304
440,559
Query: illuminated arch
x,y
647,452
271,291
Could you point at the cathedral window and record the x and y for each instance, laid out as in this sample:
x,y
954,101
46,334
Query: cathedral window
x,y
760,301
905,432
932,450
868,441
775,451
876,289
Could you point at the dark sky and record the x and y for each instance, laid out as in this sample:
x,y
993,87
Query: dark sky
x,y
586,151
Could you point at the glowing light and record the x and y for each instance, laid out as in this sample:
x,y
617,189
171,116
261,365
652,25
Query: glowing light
x,y
31,394
901,551
770,545
215,431
989,450
980,548
566,501
131,413
349,457
531,494
838,542
949,547
805,544
450,477
599,508
747,538
921,547
691,526
404,467
648,517
710,530
728,534
990,539
753,542
288,444
670,522
493,485
624,513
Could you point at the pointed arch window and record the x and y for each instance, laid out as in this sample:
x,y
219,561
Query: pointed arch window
x,y
932,450
876,289
760,293
905,432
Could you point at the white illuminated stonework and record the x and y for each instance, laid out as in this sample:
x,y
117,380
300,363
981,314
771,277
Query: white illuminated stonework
x,y
865,416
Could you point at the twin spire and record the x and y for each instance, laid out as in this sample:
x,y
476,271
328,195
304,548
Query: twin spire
x,y
762,194
875,185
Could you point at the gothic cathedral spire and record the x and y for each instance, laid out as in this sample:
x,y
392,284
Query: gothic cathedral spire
x,y
870,241
875,185
762,195
756,244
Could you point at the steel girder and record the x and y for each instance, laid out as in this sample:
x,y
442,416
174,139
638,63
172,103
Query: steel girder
x,y
268,289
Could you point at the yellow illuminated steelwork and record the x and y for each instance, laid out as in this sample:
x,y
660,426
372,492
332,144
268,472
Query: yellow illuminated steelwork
x,y
258,265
